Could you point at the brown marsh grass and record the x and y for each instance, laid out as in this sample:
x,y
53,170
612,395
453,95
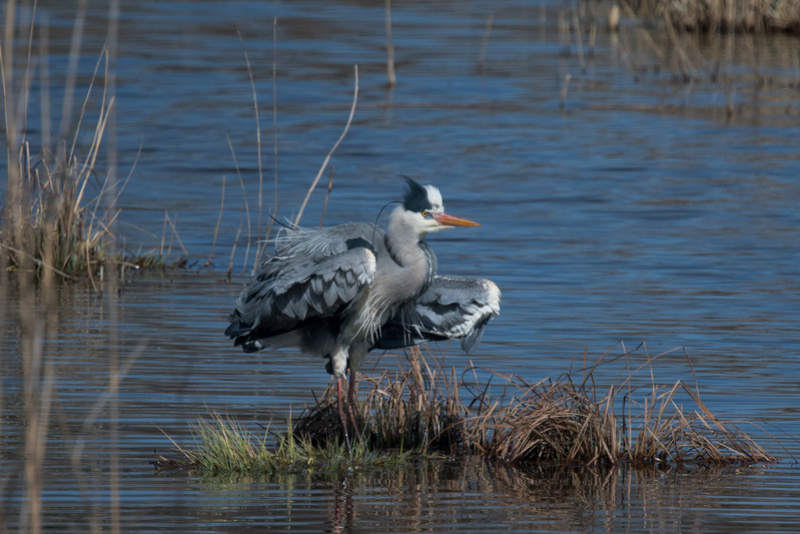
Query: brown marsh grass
x,y
57,224
49,225
425,408
61,203
566,421
716,61
728,16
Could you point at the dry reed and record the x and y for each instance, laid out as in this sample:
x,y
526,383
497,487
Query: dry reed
x,y
60,210
57,223
727,16
552,422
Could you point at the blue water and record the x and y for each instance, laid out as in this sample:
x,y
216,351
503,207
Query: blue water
x,y
641,211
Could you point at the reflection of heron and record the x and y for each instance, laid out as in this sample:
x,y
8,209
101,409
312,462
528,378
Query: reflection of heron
x,y
341,291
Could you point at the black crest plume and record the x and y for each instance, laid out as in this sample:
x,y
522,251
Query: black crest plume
x,y
416,198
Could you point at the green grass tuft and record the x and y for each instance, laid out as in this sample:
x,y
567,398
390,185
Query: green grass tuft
x,y
223,446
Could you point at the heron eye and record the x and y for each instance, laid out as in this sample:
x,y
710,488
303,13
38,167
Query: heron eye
x,y
424,213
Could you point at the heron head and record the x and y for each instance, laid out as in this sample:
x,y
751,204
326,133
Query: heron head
x,y
423,203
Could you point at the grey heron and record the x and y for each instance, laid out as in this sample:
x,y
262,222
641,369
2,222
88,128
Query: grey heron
x,y
341,291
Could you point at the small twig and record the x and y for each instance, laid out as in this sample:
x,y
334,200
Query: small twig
x,y
327,196
219,220
244,198
36,260
163,234
233,252
274,124
257,255
564,88
177,235
578,39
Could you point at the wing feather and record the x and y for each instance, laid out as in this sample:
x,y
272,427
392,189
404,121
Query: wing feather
x,y
314,274
451,308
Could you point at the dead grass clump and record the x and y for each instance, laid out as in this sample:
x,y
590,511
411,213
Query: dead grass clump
x,y
561,422
552,422
60,207
417,409
46,221
565,422
49,224
664,432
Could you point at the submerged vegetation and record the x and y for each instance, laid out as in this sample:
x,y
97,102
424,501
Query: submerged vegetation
x,y
427,410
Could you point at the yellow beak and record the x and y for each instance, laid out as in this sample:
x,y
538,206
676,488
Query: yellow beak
x,y
450,220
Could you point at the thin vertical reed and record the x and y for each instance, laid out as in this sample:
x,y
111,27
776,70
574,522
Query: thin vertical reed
x,y
564,88
219,221
114,279
259,237
485,42
576,23
391,79
330,153
244,199
274,123
327,196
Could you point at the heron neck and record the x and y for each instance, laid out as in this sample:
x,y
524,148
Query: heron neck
x,y
404,244
403,240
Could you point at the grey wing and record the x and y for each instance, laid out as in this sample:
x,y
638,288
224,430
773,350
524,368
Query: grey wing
x,y
315,277
316,245
451,308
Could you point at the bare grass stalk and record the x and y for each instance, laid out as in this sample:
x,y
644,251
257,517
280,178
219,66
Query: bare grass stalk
x,y
233,253
332,150
259,245
391,79
327,196
244,199
564,88
219,221
576,23
564,38
174,234
48,234
274,124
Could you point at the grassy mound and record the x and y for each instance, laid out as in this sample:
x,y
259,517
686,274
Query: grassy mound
x,y
419,411
224,446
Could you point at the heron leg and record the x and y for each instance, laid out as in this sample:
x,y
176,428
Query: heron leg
x,y
342,418
351,401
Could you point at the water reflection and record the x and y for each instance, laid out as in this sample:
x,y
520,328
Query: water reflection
x,y
476,496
